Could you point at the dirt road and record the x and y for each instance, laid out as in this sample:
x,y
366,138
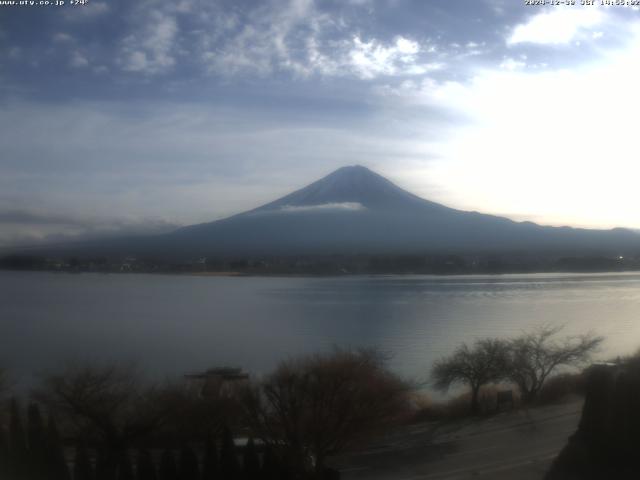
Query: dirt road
x,y
513,445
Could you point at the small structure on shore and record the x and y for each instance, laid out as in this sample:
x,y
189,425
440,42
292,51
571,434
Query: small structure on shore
x,y
218,381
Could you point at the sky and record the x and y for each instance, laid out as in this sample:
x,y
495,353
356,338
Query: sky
x,y
139,116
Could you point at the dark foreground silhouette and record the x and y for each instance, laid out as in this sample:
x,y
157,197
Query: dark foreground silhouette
x,y
607,442
39,453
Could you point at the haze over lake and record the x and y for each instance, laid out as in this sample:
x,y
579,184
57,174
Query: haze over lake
x,y
176,324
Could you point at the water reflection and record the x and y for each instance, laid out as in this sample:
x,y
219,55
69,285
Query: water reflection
x,y
173,324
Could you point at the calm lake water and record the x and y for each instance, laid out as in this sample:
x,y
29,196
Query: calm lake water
x,y
175,324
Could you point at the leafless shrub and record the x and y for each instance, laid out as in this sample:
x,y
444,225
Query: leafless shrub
x,y
475,366
110,405
560,387
319,405
535,356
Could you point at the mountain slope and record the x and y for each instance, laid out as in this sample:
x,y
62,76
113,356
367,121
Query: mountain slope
x,y
354,184
354,210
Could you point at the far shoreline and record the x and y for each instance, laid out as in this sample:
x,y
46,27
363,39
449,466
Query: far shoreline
x,y
238,274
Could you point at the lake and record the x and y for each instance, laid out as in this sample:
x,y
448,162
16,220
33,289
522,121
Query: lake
x,y
172,324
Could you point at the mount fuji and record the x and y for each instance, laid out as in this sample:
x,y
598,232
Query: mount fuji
x,y
355,211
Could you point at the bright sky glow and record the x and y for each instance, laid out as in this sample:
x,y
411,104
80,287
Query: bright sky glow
x,y
557,146
559,26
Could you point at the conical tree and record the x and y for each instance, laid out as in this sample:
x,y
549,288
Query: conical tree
x,y
36,442
18,459
271,466
229,467
188,468
4,454
82,467
125,470
168,469
251,461
104,468
210,463
35,430
56,462
146,468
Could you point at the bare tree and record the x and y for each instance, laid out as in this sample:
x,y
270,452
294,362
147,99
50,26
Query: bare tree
x,y
5,388
108,403
195,413
4,382
475,366
322,404
534,356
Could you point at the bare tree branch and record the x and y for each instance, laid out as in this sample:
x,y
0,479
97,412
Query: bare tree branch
x,y
475,366
534,356
322,404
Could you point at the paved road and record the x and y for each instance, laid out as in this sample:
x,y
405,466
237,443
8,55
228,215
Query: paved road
x,y
515,445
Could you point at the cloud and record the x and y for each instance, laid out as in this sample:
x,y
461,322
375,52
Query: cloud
x,y
366,60
78,60
14,53
28,227
151,50
498,6
31,217
190,41
300,39
513,64
371,59
344,206
61,37
87,12
556,27
277,36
